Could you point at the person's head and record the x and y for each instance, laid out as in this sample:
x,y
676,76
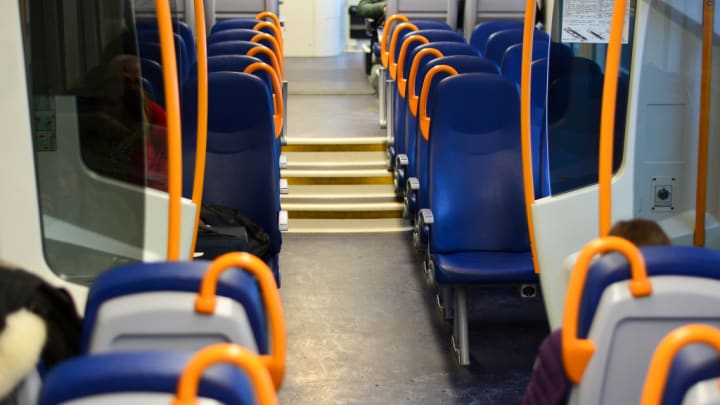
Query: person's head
x,y
641,232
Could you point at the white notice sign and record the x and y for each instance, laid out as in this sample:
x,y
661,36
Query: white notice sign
x,y
588,21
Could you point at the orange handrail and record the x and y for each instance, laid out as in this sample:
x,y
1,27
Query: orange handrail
x,y
392,63
206,301
189,381
276,47
704,124
276,31
260,48
412,98
269,14
665,352
577,352
202,117
607,121
174,139
525,126
276,96
424,120
402,80
384,54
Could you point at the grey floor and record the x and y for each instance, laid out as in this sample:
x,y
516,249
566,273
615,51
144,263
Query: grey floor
x,y
361,324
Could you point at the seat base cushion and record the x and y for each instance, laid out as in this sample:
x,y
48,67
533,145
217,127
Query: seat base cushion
x,y
484,268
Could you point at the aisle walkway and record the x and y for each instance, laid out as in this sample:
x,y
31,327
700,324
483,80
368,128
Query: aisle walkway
x,y
362,326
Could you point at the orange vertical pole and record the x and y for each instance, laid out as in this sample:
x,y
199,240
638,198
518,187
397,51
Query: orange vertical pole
x,y
174,141
705,79
526,146
202,118
607,121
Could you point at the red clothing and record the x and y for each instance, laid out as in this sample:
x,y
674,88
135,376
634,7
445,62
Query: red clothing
x,y
156,151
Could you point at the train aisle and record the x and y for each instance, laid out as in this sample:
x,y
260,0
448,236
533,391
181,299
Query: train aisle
x,y
361,323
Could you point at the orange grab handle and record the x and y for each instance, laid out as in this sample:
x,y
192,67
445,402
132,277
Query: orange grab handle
x,y
424,119
275,46
607,122
665,352
384,40
206,301
412,98
174,139
525,125
187,389
577,352
260,48
392,63
402,80
277,32
277,93
704,124
269,14
202,118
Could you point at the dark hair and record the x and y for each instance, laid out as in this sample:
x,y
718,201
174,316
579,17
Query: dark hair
x,y
641,232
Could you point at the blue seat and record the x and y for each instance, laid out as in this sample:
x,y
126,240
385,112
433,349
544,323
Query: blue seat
x,y
140,373
416,198
148,88
500,41
478,234
243,34
482,32
625,329
139,278
399,103
241,168
235,23
152,71
180,28
241,48
234,63
511,65
691,365
152,51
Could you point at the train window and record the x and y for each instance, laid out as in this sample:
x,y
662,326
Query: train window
x,y
93,142
574,103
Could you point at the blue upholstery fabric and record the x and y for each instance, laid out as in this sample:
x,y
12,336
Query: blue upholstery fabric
x,y
152,71
475,180
400,108
484,268
234,23
482,32
691,365
463,64
148,88
174,276
179,27
511,65
421,25
500,41
241,170
239,34
137,372
433,35
235,48
152,51
659,260
235,63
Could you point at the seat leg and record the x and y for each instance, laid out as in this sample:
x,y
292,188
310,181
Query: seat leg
x,y
381,98
444,301
460,342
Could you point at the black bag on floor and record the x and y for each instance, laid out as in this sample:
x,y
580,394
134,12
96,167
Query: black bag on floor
x,y
226,230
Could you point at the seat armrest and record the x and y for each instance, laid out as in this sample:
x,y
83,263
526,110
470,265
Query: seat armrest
x,y
401,160
412,185
283,161
425,216
284,186
283,220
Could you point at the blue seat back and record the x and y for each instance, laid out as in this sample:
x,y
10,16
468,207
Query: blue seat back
x,y
511,65
235,23
421,25
482,32
235,63
179,27
238,34
500,41
137,278
236,48
241,169
463,64
140,373
433,35
152,71
539,128
691,365
474,173
152,51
